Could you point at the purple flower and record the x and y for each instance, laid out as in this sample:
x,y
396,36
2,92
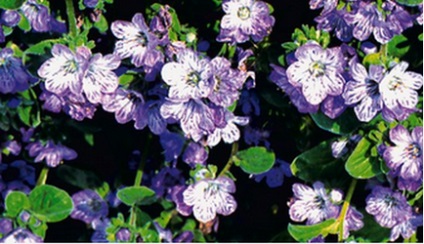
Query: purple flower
x,y
406,228
53,154
340,147
317,72
244,19
178,198
188,77
363,91
172,143
10,18
249,102
166,179
406,156
210,197
13,75
353,221
398,87
138,42
150,115
389,208
99,225
195,154
275,176
333,106
90,3
26,172
6,226
336,20
88,206
21,235
327,5
195,117
123,235
37,14
124,103
420,15
311,204
253,136
226,129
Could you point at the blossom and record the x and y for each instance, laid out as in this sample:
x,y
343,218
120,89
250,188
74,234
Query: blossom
x,y
363,91
138,42
389,208
407,153
90,3
52,153
352,221
225,127
166,178
317,72
123,235
275,176
407,228
336,20
210,197
311,204
398,87
172,144
195,154
6,226
88,206
124,103
188,77
37,14
150,116
20,235
245,19
10,18
13,75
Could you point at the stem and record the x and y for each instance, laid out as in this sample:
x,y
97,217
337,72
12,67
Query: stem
x,y
72,20
133,216
230,161
42,178
140,169
345,208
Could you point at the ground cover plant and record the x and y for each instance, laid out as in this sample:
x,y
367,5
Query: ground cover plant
x,y
211,121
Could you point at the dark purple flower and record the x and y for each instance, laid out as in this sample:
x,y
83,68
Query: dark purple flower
x,y
406,156
75,106
26,171
37,14
150,115
90,3
253,136
311,204
13,147
21,235
275,176
335,20
164,180
389,208
249,102
333,106
26,133
327,5
13,75
10,18
245,19
184,237
178,198
52,153
406,228
172,144
123,235
195,154
99,225
6,226
88,206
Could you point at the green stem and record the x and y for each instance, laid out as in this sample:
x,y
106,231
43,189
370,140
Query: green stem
x,y
133,216
72,20
42,178
230,161
140,169
345,208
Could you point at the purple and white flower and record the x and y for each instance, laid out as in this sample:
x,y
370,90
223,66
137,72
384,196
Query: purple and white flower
x,y
88,206
124,103
195,154
225,127
388,207
37,14
407,228
311,204
13,75
317,71
52,153
210,197
245,19
406,156
20,235
353,221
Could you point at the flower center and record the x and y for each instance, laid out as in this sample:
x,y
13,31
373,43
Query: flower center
x,y
217,83
71,66
395,83
390,201
193,78
142,39
243,13
320,202
372,88
413,151
317,69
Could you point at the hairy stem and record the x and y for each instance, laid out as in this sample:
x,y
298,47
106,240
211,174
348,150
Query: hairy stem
x,y
42,178
230,161
72,20
345,208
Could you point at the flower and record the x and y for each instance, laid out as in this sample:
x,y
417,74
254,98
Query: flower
x,y
124,103
335,19
20,235
210,197
10,18
311,204
189,77
50,152
353,221
13,75
90,3
398,88
165,179
37,14
225,127
6,226
123,235
389,208
88,206
172,144
245,19
317,72
195,154
363,91
275,176
406,156
407,228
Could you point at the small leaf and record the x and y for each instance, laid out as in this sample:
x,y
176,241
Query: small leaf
x,y
304,233
409,3
398,46
24,23
360,164
255,160
373,58
342,125
101,25
50,204
136,195
15,202
41,47
11,4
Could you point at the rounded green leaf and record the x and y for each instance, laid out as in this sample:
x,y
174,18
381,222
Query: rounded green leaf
x,y
255,160
398,46
11,4
342,125
136,195
15,202
304,233
50,204
361,164
409,3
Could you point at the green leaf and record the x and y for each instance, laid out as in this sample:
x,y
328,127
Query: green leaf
x,y
101,25
342,125
24,23
41,47
136,195
360,164
409,3
373,58
50,204
126,79
11,4
255,160
15,202
318,163
24,114
398,46
79,178
303,233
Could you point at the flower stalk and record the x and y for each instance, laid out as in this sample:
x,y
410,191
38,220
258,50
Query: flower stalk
x,y
42,178
72,20
234,150
345,207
